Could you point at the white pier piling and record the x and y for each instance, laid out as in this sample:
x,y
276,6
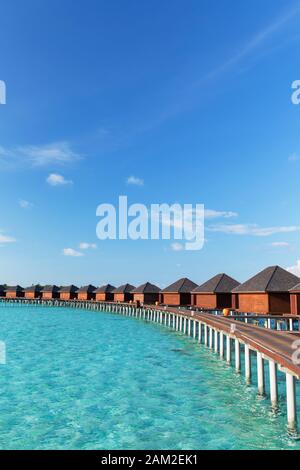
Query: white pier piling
x,y
247,364
221,344
291,401
260,374
273,384
228,349
237,356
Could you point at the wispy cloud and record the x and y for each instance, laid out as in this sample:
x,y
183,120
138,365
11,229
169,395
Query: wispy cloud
x,y
72,252
4,239
295,269
257,41
213,214
252,229
87,246
135,181
177,246
25,204
294,157
54,179
59,153
280,244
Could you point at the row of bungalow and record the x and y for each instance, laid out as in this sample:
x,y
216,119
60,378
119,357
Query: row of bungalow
x,y
273,290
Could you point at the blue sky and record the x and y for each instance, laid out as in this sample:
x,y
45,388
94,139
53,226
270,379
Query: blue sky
x,y
190,99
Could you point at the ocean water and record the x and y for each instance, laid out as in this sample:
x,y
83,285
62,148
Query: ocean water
x,y
77,379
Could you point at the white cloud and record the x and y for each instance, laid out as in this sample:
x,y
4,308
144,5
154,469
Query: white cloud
x,y
25,204
295,269
213,214
6,239
294,157
86,246
39,155
71,252
135,181
55,179
252,229
177,246
280,244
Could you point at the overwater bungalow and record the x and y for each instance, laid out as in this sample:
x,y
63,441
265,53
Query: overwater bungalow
x,y
105,293
12,292
86,292
146,293
295,299
2,291
178,293
50,292
33,292
68,292
266,292
123,293
215,293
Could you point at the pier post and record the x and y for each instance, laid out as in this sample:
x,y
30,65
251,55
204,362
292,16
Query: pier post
x,y
205,335
237,356
189,327
260,374
273,383
200,332
184,325
221,344
194,329
210,338
291,401
247,364
228,349
180,323
216,341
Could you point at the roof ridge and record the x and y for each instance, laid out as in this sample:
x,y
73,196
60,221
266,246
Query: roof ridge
x,y
222,276
274,271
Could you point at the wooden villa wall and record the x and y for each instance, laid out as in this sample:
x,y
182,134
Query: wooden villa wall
x,y
295,304
85,296
208,301
224,301
146,298
67,295
104,296
235,301
13,294
176,299
49,295
170,299
120,297
279,303
31,295
254,303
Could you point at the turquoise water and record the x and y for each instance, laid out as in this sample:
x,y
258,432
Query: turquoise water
x,y
77,379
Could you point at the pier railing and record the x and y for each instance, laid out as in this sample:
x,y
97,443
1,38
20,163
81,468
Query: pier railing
x,y
227,337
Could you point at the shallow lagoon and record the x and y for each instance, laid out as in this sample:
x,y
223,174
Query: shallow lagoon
x,y
77,379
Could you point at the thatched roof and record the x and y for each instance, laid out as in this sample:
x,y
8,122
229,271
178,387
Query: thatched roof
x,y
182,286
219,284
36,288
296,288
13,288
69,289
89,289
106,289
50,288
271,279
146,288
124,289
